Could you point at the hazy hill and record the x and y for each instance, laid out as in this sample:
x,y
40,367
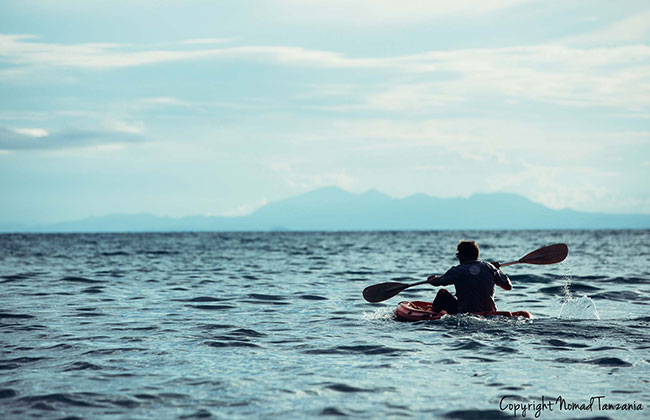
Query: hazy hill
x,y
335,209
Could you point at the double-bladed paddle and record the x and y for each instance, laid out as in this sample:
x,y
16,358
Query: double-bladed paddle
x,y
550,254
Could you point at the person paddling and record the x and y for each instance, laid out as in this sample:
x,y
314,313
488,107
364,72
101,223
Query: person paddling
x,y
474,281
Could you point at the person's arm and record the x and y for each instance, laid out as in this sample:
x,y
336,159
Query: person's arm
x,y
445,280
501,279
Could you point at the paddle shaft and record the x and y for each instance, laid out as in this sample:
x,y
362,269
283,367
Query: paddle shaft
x,y
383,291
406,286
509,263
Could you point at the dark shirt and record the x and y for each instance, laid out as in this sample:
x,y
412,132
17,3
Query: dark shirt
x,y
474,282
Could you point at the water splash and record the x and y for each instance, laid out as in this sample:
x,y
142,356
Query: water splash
x,y
381,314
578,308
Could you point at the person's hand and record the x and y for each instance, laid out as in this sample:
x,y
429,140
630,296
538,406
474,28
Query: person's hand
x,y
496,264
431,278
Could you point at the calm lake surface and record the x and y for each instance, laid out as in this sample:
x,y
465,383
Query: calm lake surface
x,y
273,325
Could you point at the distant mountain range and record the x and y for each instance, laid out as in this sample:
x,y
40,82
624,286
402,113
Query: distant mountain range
x,y
332,208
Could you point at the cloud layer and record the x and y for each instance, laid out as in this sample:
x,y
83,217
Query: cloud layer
x,y
579,77
41,139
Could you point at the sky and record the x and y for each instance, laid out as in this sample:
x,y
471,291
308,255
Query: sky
x,y
180,108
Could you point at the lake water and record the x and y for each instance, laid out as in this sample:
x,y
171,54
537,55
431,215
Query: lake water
x,y
273,325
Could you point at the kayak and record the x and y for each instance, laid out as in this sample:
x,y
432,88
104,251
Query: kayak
x,y
421,311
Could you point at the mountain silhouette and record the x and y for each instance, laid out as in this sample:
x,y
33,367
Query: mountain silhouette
x,y
332,208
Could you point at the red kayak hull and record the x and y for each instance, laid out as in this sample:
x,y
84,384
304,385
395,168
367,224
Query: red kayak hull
x,y
421,311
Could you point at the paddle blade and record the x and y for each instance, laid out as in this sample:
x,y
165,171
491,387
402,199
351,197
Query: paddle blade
x,y
383,291
547,255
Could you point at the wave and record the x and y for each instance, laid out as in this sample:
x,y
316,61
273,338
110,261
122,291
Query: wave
x,y
360,349
81,280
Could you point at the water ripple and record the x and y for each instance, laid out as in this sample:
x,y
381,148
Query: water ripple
x,y
273,325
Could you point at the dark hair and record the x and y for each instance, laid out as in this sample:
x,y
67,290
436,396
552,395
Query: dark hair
x,y
467,250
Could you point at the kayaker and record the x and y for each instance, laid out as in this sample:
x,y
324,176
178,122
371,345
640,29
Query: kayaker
x,y
474,281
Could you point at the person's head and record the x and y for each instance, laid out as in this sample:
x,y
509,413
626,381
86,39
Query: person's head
x,y
467,251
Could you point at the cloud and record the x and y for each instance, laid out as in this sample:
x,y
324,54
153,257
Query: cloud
x,y
41,139
203,41
32,132
616,76
547,184
165,100
304,174
631,29
127,128
382,12
480,138
413,98
245,209
24,50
